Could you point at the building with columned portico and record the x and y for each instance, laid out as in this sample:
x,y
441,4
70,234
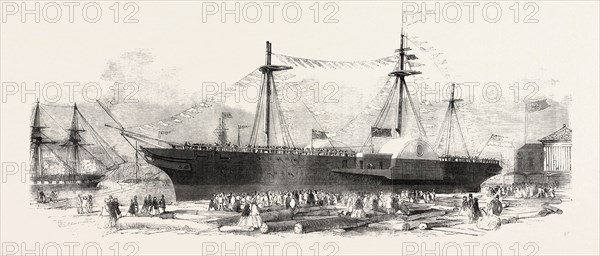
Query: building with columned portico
x,y
557,155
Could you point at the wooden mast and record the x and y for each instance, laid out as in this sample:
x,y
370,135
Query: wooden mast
x,y
36,141
268,75
268,87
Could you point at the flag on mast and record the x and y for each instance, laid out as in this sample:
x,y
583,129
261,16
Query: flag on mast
x,y
318,135
227,115
538,105
500,141
381,132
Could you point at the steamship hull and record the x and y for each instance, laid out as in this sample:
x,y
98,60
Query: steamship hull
x,y
198,174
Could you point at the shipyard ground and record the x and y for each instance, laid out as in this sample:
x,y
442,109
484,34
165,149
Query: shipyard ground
x,y
193,219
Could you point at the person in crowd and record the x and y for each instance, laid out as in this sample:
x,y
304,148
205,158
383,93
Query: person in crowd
x,y
90,205
131,211
155,206
255,219
464,208
475,211
495,205
114,212
162,203
358,211
245,216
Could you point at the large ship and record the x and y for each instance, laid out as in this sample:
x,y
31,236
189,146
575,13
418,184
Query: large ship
x,y
71,164
403,162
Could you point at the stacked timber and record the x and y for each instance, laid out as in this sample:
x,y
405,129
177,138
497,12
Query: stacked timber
x,y
236,229
548,209
307,226
424,215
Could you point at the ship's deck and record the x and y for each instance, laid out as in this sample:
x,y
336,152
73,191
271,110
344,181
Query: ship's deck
x,y
313,152
267,150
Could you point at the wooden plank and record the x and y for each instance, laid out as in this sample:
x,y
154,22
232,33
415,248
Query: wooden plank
x,y
458,231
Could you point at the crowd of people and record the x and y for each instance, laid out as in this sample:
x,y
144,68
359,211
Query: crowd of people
x,y
85,204
470,207
355,204
111,207
151,206
44,199
291,199
523,190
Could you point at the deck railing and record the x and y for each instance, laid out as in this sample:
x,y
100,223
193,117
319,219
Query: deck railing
x,y
268,150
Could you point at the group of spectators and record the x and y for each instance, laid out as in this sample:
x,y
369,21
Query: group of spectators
x,y
523,190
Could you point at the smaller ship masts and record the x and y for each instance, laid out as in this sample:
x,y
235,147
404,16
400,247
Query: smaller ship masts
x,y
447,128
74,141
37,140
222,129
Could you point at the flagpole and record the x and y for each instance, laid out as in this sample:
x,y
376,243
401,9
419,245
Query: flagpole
x,y
238,135
311,139
525,135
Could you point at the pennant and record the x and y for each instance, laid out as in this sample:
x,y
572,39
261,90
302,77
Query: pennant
x,y
365,65
381,132
184,115
318,135
192,110
177,120
299,62
149,126
338,65
281,58
318,63
307,62
290,60
330,64
500,141
415,64
411,57
163,123
537,105
226,115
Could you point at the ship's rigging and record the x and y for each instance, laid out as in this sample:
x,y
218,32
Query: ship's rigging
x,y
76,148
271,129
447,133
396,100
268,108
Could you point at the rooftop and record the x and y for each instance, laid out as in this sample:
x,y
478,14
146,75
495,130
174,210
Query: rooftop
x,y
563,134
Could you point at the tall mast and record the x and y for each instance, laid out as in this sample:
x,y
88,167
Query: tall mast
x,y
268,87
74,140
37,140
447,124
137,165
268,75
400,83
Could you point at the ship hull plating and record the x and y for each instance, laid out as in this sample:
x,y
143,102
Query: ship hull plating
x,y
198,174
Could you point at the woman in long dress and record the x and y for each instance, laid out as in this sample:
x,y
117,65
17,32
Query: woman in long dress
x,y
245,218
255,218
358,211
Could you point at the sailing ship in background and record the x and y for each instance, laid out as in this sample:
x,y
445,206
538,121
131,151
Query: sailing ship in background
x,y
77,162
271,161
